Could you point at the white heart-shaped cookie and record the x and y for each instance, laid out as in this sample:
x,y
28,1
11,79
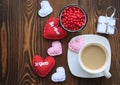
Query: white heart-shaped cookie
x,y
46,9
59,75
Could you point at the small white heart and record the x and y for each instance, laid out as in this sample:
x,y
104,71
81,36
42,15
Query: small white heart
x,y
59,75
46,9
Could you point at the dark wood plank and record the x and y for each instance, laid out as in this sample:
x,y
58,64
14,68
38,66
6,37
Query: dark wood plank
x,y
29,42
9,39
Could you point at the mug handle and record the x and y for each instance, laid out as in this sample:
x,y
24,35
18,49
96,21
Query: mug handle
x,y
107,74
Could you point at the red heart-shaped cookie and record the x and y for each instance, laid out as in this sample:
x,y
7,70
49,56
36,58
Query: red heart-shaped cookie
x,y
43,66
52,30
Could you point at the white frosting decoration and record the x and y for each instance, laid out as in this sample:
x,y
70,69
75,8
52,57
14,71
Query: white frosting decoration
x,y
46,9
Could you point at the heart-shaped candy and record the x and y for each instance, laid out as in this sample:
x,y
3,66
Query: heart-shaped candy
x,y
76,44
43,66
56,49
59,75
46,9
52,30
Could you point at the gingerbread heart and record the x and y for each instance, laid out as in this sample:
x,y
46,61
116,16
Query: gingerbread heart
x,y
56,49
76,44
52,30
43,66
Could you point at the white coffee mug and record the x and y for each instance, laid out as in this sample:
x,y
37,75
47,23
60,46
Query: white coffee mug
x,y
94,54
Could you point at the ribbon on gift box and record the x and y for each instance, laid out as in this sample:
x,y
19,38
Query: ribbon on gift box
x,y
106,24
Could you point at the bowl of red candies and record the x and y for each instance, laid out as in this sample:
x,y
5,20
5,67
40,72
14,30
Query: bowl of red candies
x,y
73,18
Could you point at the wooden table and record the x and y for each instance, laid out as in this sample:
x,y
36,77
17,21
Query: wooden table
x,y
21,37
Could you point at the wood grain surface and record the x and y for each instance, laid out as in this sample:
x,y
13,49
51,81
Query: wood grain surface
x,y
21,37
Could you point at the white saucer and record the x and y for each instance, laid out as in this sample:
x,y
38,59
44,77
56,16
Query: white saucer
x,y
72,57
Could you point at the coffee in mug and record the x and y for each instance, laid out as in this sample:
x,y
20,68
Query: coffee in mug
x,y
93,58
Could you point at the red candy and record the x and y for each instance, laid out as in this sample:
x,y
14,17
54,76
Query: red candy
x,y
73,18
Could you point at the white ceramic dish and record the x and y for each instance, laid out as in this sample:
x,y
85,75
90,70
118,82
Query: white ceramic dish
x,y
72,57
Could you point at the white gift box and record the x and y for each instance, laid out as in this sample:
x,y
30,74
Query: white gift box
x,y
106,24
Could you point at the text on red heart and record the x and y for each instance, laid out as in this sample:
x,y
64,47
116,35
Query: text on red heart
x,y
41,63
54,27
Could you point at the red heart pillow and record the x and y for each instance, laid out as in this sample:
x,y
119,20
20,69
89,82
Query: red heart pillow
x,y
43,66
52,30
